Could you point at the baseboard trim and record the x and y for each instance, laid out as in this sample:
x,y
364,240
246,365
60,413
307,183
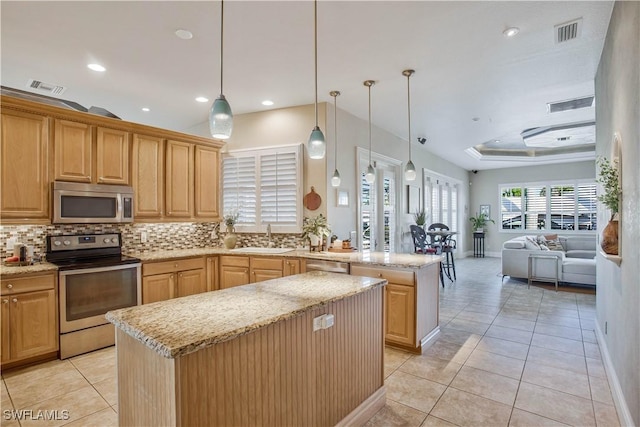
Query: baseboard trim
x,y
427,340
469,254
366,409
616,390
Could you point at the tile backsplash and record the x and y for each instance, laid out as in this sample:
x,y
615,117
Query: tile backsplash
x,y
160,236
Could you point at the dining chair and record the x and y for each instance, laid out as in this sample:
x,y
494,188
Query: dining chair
x,y
421,246
447,245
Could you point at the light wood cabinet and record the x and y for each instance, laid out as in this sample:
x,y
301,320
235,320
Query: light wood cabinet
x,y
265,268
410,305
73,151
81,157
24,160
171,279
234,271
291,267
179,185
29,318
207,168
112,156
147,159
213,272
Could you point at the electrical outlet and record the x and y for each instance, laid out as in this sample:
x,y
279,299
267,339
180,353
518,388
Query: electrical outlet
x,y
143,237
214,235
317,323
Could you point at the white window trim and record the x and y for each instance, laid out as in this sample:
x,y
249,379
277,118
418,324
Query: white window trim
x,y
576,182
256,153
426,174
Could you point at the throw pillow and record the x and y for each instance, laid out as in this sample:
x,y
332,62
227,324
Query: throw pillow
x,y
551,236
555,245
531,243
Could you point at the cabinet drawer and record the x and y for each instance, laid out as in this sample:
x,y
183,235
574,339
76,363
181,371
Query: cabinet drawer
x,y
172,266
402,277
236,261
27,284
266,263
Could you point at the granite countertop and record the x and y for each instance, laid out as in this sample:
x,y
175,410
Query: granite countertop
x,y
185,325
370,258
40,267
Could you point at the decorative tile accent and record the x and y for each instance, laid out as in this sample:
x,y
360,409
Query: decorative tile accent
x,y
160,236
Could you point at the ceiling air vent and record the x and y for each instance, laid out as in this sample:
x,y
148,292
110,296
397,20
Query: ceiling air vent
x,y
571,104
568,31
48,88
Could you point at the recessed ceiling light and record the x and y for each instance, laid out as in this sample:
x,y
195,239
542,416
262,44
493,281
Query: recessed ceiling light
x,y
202,99
184,34
511,31
96,67
145,109
267,102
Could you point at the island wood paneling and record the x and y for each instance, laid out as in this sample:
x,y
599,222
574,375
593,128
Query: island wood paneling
x,y
282,374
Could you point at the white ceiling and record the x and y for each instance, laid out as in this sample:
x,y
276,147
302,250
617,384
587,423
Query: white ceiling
x,y
465,67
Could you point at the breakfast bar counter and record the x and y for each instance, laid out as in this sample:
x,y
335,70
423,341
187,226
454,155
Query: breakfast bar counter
x,y
300,350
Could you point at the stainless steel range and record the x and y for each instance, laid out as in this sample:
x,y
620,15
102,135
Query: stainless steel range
x,y
94,277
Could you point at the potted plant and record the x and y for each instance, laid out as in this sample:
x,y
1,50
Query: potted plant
x,y
314,229
608,176
420,218
479,221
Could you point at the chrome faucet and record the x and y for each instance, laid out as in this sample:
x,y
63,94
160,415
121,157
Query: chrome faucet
x,y
270,243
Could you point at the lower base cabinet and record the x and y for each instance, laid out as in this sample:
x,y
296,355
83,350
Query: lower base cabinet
x,y
29,313
171,279
241,270
399,307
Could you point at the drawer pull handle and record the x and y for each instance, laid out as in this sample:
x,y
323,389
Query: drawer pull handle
x,y
9,286
379,274
5,301
15,300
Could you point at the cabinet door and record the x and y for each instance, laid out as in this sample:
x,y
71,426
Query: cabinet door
x,y
24,159
206,182
291,267
261,275
73,151
179,179
400,314
147,158
33,324
231,276
212,273
157,288
191,282
5,353
112,156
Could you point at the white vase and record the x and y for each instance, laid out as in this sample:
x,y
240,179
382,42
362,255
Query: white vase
x,y
314,239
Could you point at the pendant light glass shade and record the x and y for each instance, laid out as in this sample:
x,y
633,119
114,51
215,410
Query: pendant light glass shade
x,y
335,179
317,146
221,118
220,115
410,169
370,176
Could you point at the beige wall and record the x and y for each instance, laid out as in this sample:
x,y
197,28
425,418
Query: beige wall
x,y
618,296
484,191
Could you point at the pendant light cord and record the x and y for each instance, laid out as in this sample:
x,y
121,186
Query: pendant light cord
x,y
335,127
315,51
369,125
409,112
221,41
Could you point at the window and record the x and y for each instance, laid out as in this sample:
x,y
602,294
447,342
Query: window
x,y
441,200
548,206
272,177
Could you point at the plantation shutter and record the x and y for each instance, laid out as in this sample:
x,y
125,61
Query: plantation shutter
x,y
239,188
587,207
278,188
535,207
562,207
454,208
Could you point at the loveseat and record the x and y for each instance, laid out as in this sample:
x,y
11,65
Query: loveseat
x,y
575,257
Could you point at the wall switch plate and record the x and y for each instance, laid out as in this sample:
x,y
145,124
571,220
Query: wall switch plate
x,y
323,322
143,237
214,235
317,323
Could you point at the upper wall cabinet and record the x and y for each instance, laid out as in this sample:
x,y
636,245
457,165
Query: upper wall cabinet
x,y
24,158
147,166
85,154
179,186
207,169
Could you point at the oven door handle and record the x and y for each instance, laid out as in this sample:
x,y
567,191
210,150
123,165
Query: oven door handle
x,y
98,269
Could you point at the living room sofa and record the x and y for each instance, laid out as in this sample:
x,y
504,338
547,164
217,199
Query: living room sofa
x,y
574,258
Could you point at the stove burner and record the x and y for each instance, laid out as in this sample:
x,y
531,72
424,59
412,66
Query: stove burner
x,y
72,252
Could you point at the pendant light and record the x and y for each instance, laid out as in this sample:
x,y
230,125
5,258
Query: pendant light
x,y
410,169
317,146
335,179
370,176
220,115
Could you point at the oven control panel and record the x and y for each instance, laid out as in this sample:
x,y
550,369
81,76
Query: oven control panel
x,y
83,241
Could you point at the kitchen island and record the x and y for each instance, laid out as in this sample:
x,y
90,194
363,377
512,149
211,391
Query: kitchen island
x,y
300,350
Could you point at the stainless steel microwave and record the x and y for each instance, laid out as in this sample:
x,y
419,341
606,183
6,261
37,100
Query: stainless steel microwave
x,y
75,203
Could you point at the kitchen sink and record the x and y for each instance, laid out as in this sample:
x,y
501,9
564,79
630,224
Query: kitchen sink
x,y
258,250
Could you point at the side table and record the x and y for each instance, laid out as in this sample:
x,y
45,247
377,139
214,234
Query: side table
x,y
531,275
478,245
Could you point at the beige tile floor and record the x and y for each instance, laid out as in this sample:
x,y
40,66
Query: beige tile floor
x,y
507,355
